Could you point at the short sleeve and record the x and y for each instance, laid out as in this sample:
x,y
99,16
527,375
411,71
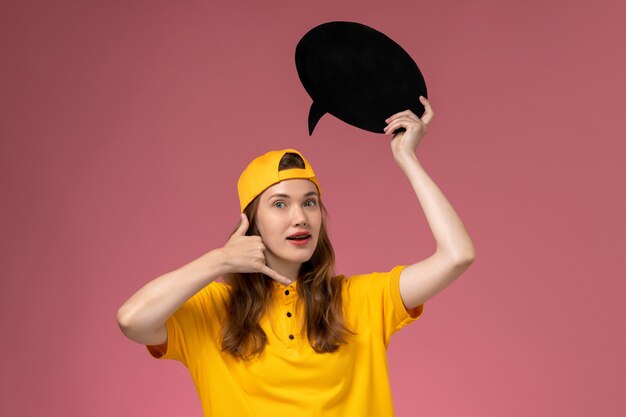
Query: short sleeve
x,y
378,294
396,316
190,327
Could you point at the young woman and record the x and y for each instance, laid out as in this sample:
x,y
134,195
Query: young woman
x,y
284,336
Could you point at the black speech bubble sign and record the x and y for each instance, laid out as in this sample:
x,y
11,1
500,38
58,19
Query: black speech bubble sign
x,y
358,75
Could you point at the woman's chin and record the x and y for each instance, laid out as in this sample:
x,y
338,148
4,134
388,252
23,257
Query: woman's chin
x,y
297,258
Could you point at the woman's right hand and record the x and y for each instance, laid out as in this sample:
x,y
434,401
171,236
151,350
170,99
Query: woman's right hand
x,y
245,254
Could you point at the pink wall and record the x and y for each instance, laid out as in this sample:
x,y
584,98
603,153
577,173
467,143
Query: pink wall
x,y
125,124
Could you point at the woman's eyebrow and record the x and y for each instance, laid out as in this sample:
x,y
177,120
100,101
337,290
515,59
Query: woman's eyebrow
x,y
309,194
278,195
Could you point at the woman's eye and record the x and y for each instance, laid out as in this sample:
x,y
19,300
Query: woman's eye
x,y
311,203
279,204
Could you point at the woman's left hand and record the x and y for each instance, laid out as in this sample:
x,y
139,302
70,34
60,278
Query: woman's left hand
x,y
405,143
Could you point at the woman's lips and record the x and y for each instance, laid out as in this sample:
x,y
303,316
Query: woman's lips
x,y
300,242
300,238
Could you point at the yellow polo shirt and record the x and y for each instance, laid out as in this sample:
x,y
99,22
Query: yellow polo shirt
x,y
290,378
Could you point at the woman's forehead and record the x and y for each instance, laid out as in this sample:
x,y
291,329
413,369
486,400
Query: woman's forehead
x,y
295,188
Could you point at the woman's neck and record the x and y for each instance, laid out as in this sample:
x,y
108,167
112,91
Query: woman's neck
x,y
287,269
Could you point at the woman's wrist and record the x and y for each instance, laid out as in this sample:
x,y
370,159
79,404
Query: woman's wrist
x,y
209,266
404,159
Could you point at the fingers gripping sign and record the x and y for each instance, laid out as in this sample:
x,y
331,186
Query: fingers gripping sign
x,y
408,129
245,254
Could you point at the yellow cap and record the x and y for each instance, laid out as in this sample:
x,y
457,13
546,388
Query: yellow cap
x,y
263,172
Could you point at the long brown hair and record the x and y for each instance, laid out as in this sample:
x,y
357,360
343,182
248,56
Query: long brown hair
x,y
318,289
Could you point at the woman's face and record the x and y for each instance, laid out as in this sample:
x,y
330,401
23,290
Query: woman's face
x,y
289,218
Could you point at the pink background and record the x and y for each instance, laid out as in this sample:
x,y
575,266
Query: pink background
x,y
124,127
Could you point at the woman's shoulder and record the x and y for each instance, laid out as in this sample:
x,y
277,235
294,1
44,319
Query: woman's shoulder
x,y
215,291
364,281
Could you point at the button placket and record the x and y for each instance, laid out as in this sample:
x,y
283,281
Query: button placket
x,y
288,300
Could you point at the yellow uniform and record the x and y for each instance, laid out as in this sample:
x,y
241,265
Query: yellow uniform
x,y
290,378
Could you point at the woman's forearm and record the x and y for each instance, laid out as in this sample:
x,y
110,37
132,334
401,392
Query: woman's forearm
x,y
450,234
154,303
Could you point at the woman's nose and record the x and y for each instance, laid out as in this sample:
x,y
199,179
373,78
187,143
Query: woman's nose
x,y
298,216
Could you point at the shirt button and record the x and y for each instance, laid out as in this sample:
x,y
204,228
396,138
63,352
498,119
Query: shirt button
x,y
286,292
288,314
291,336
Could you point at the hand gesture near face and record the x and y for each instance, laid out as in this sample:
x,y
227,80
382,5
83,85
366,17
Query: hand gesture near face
x,y
404,143
245,254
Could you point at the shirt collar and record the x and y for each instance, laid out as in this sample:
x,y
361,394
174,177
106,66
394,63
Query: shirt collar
x,y
280,287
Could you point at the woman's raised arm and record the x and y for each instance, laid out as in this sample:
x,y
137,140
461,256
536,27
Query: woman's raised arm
x,y
142,317
455,250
